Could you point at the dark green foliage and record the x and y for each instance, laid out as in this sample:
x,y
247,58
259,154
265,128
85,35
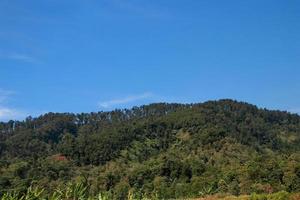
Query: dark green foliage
x,y
159,150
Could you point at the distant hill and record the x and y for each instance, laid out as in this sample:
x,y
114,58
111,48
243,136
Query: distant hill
x,y
163,150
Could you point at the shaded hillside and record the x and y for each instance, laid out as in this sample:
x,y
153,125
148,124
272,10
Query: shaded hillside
x,y
162,150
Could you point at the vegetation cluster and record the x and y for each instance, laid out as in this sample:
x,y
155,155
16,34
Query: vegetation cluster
x,y
157,151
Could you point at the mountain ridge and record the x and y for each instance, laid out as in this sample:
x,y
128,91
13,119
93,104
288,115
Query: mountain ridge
x,y
169,150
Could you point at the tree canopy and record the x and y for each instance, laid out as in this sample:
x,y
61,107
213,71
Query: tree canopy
x,y
167,150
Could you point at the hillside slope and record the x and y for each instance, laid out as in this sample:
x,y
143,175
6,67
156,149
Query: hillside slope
x,y
162,150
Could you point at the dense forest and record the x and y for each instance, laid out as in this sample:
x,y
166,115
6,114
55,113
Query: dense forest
x,y
158,150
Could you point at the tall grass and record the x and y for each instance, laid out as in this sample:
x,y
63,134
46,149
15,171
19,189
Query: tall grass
x,y
80,191
71,191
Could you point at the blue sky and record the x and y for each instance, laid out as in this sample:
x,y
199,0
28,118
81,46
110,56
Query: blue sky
x,y
91,55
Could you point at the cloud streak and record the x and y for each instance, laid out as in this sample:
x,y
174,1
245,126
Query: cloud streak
x,y
7,113
10,114
19,57
22,57
125,100
4,95
295,110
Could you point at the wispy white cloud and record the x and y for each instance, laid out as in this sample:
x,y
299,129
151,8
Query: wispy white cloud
x,y
11,114
125,100
19,57
22,57
4,95
295,110
6,112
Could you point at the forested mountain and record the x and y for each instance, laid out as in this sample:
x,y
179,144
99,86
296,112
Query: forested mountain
x,y
162,150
